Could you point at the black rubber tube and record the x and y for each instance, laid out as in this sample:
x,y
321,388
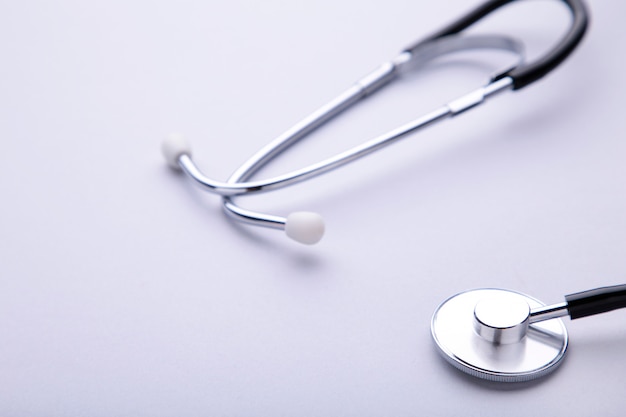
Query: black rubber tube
x,y
531,72
599,300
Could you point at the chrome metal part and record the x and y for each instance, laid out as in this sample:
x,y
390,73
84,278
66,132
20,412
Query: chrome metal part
x,y
548,312
536,354
385,74
239,184
377,78
502,319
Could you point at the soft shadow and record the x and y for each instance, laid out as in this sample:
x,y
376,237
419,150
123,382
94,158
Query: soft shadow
x,y
272,242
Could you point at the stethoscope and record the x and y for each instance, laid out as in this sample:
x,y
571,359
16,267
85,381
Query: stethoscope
x,y
494,334
506,336
307,227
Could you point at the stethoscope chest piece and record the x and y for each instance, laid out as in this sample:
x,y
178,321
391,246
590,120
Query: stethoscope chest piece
x,y
487,333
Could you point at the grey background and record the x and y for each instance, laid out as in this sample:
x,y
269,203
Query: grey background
x,y
124,291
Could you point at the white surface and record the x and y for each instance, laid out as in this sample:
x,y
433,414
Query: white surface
x,y
124,291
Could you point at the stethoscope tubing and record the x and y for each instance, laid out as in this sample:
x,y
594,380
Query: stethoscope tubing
x,y
528,73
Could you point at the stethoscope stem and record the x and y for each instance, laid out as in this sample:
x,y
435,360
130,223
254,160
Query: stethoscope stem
x,y
548,312
583,304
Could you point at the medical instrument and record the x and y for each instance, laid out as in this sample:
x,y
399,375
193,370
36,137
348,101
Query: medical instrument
x,y
307,227
507,336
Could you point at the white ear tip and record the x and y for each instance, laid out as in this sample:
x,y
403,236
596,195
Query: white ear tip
x,y
305,227
173,147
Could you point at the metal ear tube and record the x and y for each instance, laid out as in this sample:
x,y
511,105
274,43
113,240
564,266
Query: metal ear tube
x,y
308,228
